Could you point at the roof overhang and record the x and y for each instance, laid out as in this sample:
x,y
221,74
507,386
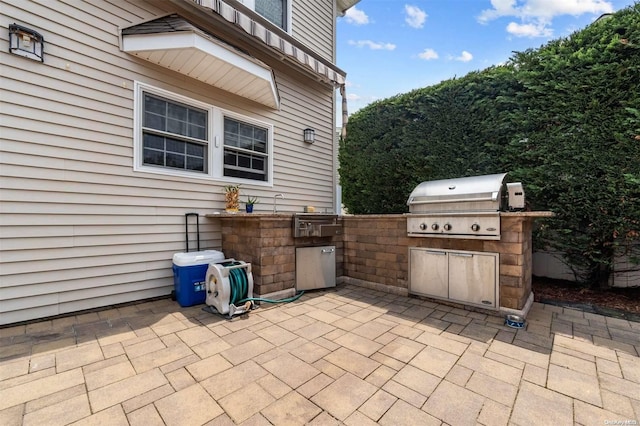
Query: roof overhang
x,y
343,5
230,20
196,54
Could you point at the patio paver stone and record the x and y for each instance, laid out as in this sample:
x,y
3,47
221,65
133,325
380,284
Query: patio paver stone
x,y
348,355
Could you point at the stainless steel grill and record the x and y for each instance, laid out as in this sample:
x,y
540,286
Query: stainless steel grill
x,y
467,207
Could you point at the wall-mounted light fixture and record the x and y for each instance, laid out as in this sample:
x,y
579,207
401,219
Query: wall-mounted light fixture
x,y
26,42
309,135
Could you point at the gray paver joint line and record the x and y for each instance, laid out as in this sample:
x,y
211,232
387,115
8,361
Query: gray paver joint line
x,y
350,355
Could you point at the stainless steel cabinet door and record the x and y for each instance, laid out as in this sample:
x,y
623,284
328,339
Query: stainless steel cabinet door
x,y
315,267
472,278
428,272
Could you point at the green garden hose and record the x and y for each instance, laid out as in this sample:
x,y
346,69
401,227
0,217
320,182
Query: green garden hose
x,y
286,300
239,285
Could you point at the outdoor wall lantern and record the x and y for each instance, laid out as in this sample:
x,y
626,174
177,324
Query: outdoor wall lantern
x,y
309,135
26,42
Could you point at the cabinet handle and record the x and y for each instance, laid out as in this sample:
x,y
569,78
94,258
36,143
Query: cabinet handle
x,y
439,253
461,254
327,250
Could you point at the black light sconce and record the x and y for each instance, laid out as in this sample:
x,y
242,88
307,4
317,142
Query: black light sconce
x,y
309,135
26,42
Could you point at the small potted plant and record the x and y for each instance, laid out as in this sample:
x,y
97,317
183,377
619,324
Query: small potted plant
x,y
250,202
232,198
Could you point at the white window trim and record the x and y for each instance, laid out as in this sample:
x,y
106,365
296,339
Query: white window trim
x,y
215,136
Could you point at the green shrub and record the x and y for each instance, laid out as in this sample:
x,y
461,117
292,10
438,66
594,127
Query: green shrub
x,y
564,119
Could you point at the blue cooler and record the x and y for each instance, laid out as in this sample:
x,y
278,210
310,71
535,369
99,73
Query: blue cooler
x,y
189,275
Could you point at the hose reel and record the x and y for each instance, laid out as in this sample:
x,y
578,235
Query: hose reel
x,y
229,286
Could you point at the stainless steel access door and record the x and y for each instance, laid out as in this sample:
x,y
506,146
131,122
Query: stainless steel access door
x,y
315,267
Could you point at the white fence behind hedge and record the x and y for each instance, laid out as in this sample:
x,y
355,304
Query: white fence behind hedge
x,y
550,265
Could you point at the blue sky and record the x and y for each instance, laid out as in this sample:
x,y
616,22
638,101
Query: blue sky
x,y
390,46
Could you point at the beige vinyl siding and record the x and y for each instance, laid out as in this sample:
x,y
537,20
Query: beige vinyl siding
x,y
79,228
314,26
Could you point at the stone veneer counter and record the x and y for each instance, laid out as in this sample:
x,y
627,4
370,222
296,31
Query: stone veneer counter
x,y
373,251
266,241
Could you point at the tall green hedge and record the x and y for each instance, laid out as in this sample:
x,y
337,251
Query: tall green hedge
x,y
564,119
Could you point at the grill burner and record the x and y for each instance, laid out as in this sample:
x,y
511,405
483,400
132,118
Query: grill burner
x,y
462,208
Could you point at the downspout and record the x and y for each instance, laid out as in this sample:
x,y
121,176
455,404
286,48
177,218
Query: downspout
x,y
345,113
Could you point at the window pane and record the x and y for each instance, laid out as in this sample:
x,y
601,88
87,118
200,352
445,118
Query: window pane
x,y
258,164
177,127
260,134
229,158
246,130
196,164
153,141
154,121
176,161
175,145
272,10
155,105
244,161
260,147
153,157
231,139
195,149
177,112
197,131
197,117
246,143
244,174
230,125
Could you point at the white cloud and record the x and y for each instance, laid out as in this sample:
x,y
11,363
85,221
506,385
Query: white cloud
x,y
356,16
543,9
415,16
500,8
529,30
353,97
464,56
372,45
428,54
536,16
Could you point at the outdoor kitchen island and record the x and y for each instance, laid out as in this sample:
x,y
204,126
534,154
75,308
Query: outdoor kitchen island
x,y
373,251
377,250
491,267
269,242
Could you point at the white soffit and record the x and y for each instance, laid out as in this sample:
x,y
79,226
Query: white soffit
x,y
197,55
343,5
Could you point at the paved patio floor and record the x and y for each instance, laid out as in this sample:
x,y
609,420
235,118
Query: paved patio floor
x,y
342,356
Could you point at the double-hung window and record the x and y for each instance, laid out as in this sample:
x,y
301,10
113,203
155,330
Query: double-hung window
x,y
180,136
245,150
174,135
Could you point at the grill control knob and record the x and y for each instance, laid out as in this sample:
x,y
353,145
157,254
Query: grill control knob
x,y
475,227
447,227
435,226
423,226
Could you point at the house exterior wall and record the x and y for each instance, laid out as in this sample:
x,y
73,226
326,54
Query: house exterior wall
x,y
79,228
314,26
